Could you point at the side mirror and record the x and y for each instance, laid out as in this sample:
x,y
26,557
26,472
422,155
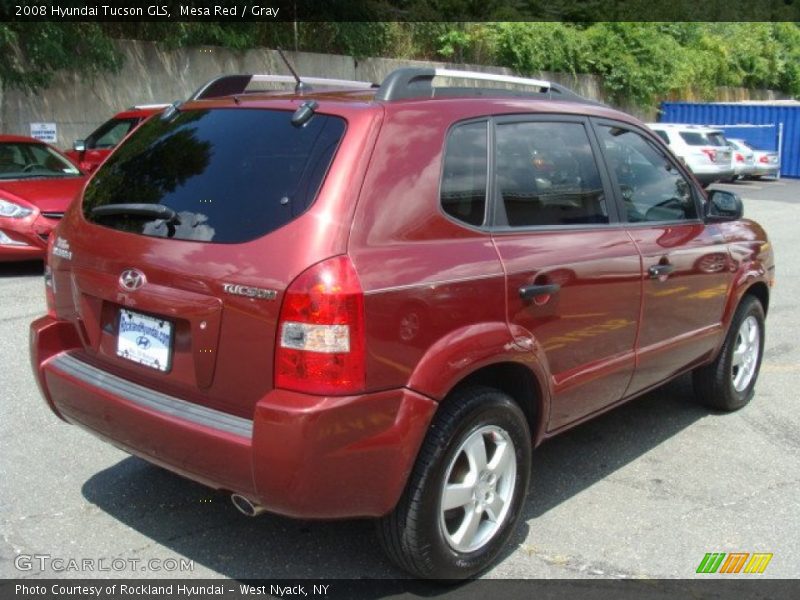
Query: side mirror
x,y
79,146
724,206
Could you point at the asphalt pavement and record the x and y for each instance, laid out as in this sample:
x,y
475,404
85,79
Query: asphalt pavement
x,y
644,491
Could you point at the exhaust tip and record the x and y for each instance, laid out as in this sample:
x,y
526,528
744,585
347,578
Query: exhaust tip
x,y
245,506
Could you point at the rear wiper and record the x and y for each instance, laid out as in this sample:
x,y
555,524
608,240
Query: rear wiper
x,y
154,211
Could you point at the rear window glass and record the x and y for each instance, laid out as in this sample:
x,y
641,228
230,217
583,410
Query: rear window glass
x,y
464,178
230,175
693,138
547,175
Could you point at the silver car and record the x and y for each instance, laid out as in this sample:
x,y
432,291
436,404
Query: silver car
x,y
743,158
765,163
703,149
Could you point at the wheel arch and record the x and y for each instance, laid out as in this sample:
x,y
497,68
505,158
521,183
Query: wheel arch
x,y
760,291
519,382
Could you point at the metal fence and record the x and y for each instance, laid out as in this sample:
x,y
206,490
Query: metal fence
x,y
764,126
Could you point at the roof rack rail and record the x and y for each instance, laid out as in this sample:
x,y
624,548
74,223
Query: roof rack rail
x,y
149,106
231,85
416,82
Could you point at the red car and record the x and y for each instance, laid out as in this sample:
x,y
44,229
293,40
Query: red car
x,y
93,150
377,301
37,183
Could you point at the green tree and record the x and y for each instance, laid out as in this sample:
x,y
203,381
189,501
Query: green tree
x,y
638,62
34,52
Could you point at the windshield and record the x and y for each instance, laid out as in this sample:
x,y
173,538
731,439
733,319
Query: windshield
x,y
23,160
228,175
110,133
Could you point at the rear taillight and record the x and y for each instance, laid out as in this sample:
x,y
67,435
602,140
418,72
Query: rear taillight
x,y
739,157
712,154
320,347
763,159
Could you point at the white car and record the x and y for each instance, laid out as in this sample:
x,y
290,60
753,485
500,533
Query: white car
x,y
765,162
703,149
743,158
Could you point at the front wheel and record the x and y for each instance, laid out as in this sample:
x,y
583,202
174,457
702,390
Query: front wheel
x,y
466,491
729,382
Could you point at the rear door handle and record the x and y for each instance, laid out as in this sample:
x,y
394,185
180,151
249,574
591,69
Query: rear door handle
x,y
657,271
526,292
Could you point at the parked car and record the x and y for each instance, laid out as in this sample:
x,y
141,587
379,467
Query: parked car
x,y
703,149
376,301
766,163
90,152
743,158
37,183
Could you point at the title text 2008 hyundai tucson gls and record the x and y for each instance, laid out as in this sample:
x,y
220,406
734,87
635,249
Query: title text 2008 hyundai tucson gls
x,y
375,301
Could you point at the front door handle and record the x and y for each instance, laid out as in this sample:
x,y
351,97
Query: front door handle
x,y
526,292
658,271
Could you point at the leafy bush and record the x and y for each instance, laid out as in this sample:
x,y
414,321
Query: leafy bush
x,y
639,63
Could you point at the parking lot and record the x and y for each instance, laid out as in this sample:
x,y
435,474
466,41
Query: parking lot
x,y
643,492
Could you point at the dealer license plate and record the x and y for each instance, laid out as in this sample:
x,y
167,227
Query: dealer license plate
x,y
145,340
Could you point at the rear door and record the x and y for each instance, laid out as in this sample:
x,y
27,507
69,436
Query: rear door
x,y
686,266
573,273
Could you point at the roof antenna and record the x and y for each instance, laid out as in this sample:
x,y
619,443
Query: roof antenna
x,y
300,87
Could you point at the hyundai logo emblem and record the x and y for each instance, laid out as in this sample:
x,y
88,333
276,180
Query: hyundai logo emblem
x,y
143,342
131,280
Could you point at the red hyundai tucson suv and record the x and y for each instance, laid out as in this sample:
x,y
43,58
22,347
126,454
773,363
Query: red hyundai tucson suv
x,y
350,300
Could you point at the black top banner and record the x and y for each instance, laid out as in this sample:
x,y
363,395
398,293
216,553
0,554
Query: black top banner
x,y
270,11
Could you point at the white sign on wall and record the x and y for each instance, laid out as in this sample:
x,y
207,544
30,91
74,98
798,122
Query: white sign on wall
x,y
46,132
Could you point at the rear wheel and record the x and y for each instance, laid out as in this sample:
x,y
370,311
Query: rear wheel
x,y
466,491
729,382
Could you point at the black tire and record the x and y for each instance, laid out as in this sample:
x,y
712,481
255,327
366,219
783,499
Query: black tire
x,y
413,535
714,383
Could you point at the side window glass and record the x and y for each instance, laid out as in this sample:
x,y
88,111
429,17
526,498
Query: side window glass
x,y
110,133
663,135
463,194
547,175
652,188
113,137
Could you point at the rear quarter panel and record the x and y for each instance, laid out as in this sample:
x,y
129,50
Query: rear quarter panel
x,y
427,280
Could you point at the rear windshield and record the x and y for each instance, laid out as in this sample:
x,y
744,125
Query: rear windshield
x,y
230,175
694,138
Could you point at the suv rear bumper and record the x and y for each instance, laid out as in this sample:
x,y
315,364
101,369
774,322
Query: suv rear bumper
x,y
301,456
